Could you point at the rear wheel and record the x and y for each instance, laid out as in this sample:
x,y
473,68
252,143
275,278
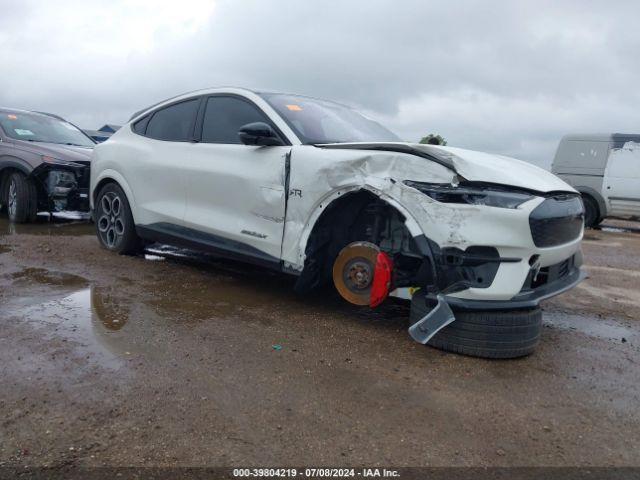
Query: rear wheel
x,y
22,199
486,334
591,212
114,222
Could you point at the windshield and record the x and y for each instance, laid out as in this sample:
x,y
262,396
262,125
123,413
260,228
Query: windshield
x,y
319,121
35,127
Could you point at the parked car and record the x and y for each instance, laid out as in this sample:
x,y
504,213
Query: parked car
x,y
44,166
605,169
315,189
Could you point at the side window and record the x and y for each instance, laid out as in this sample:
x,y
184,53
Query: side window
x,y
224,116
175,122
140,127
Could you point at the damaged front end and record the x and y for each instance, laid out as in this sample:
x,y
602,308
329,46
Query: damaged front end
x,y
517,249
63,188
483,252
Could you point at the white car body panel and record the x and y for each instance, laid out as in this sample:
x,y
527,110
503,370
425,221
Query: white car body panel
x,y
247,183
239,193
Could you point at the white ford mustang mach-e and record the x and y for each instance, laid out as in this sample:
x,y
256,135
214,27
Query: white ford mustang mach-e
x,y
315,189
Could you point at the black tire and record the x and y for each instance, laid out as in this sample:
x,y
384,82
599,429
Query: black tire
x,y
21,199
115,227
485,334
592,216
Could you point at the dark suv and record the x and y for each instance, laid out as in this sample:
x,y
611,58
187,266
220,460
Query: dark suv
x,y
44,166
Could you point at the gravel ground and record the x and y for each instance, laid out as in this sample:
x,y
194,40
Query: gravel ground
x,y
179,359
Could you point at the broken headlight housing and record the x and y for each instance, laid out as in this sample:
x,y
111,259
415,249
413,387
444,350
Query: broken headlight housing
x,y
490,196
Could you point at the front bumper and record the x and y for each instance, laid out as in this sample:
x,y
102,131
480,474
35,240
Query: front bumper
x,y
526,298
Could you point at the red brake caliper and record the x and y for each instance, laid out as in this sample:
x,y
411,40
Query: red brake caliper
x,y
381,284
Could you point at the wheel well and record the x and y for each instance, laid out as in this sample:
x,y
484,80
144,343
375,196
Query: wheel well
x,y
595,203
358,216
101,185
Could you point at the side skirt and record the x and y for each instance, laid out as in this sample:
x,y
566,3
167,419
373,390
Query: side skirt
x,y
194,239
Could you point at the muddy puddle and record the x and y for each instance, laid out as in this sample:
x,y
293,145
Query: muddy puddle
x,y
46,227
79,319
592,326
43,276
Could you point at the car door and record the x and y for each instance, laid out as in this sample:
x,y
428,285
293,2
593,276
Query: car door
x,y
622,180
155,172
236,192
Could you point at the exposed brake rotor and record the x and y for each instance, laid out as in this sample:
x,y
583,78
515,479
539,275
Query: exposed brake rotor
x,y
353,272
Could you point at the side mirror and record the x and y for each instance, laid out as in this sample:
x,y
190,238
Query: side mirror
x,y
259,133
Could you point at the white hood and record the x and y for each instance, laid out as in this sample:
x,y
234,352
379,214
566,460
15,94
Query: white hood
x,y
487,167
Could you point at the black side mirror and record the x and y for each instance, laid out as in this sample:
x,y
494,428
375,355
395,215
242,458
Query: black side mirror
x,y
259,133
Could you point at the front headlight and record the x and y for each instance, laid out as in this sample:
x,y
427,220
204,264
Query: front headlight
x,y
490,196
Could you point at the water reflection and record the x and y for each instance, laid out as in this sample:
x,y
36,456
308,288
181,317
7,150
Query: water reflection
x,y
107,310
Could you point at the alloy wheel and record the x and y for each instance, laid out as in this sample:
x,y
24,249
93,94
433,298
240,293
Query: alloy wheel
x,y
12,200
111,219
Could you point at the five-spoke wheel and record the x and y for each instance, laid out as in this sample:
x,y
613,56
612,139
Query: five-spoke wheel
x,y
110,222
114,222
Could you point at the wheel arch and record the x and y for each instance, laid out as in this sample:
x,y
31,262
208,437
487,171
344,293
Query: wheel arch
x,y
9,164
329,202
112,176
338,209
597,197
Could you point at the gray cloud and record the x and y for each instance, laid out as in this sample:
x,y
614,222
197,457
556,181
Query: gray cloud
x,y
508,77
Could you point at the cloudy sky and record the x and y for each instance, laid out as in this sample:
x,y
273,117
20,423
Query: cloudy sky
x,y
501,76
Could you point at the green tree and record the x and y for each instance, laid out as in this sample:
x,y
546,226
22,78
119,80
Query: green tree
x,y
434,139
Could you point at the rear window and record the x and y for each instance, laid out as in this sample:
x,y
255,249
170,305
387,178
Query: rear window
x,y
174,123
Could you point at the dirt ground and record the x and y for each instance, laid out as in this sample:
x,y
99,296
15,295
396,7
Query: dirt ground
x,y
179,359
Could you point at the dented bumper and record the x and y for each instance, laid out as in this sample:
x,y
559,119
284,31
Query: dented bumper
x,y
540,285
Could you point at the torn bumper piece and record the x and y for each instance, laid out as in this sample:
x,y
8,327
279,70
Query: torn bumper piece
x,y
432,322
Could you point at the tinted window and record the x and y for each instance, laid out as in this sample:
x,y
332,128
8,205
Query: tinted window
x,y
225,115
175,122
141,125
321,121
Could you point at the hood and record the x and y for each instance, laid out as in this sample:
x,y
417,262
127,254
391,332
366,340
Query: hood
x,y
488,167
474,166
69,153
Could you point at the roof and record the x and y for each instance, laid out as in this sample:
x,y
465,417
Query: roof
x,y
17,110
226,89
603,137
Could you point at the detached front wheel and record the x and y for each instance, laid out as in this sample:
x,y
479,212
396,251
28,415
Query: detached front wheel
x,y
115,227
485,334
